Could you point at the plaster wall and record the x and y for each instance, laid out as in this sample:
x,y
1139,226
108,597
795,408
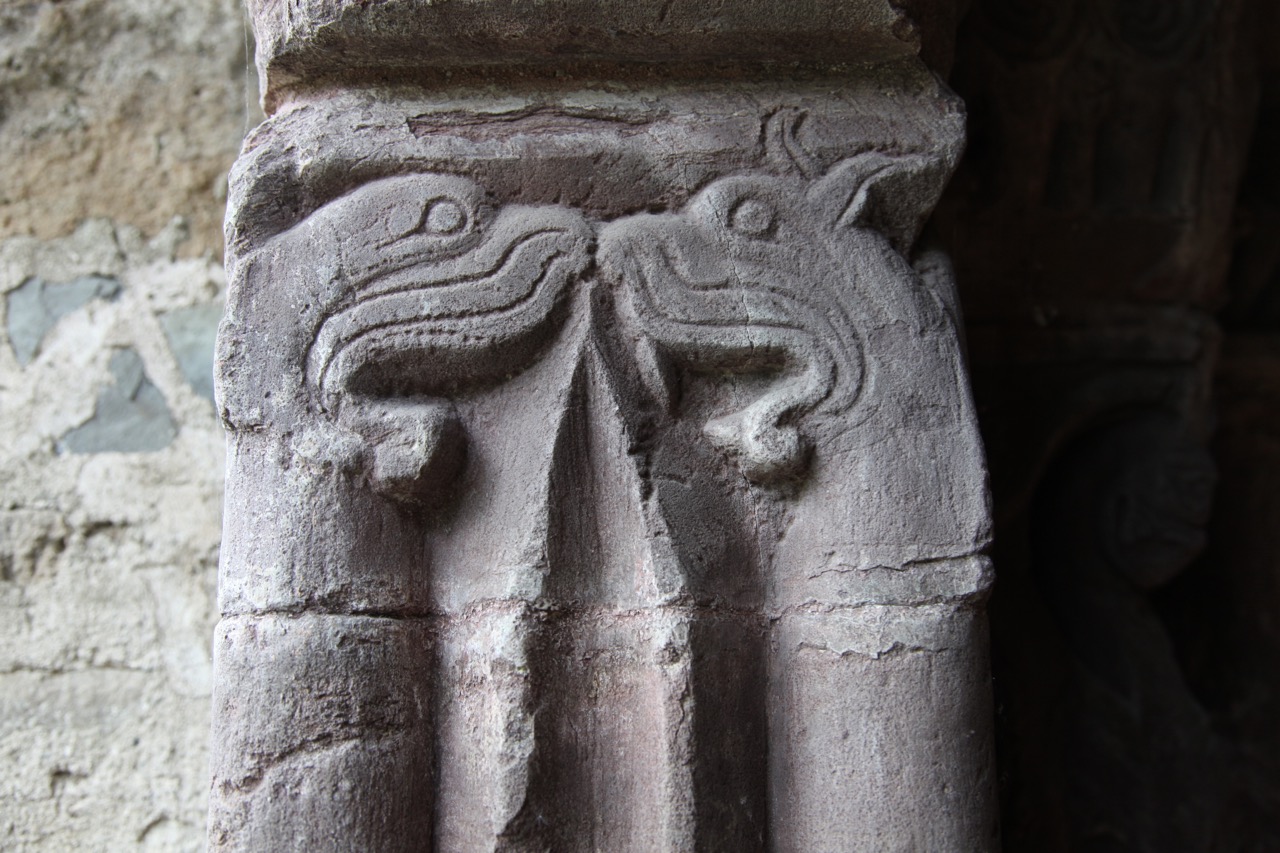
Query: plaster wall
x,y
118,121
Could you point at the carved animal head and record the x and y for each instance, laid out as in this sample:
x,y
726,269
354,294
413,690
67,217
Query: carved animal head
x,y
387,301
439,289
758,274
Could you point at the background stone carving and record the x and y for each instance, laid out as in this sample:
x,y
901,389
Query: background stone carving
x,y
1095,222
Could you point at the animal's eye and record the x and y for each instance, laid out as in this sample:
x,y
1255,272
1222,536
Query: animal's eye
x,y
444,216
752,218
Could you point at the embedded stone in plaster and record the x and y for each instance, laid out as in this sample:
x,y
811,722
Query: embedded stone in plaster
x,y
191,332
130,415
36,306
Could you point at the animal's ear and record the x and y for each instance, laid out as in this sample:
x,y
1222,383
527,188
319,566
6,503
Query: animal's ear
x,y
892,194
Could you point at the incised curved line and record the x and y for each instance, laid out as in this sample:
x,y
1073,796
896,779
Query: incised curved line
x,y
491,271
531,295
322,353
844,363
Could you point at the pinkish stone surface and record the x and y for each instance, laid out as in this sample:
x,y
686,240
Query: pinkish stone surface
x,y
602,468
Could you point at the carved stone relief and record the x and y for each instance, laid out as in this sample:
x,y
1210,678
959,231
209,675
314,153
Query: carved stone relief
x,y
1121,514
1091,224
603,476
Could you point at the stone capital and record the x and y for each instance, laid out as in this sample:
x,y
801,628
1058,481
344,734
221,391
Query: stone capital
x,y
603,470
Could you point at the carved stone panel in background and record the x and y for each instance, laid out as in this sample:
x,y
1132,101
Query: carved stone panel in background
x,y
1092,224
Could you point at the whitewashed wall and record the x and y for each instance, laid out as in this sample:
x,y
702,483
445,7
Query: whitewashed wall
x,y
118,120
